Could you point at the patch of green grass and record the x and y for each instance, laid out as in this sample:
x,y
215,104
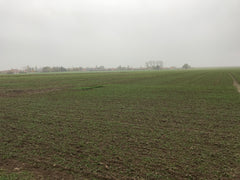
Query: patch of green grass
x,y
152,125
15,176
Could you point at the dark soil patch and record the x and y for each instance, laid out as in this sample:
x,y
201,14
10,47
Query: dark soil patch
x,y
23,92
88,88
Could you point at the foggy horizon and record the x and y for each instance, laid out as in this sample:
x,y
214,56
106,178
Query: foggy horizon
x,y
110,33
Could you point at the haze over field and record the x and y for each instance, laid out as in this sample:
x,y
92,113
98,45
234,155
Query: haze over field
x,y
119,32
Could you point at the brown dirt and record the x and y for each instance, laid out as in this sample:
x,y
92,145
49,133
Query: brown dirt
x,y
38,173
22,92
55,172
235,82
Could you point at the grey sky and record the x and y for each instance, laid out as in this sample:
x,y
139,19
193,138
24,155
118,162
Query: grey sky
x,y
119,32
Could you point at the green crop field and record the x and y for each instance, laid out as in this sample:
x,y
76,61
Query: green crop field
x,y
180,124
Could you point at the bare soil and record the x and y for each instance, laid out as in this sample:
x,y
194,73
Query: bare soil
x,y
22,92
235,83
11,165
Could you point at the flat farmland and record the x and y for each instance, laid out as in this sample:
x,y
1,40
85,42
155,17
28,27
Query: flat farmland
x,y
180,124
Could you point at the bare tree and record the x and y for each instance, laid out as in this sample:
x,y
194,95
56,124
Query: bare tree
x,y
154,65
186,66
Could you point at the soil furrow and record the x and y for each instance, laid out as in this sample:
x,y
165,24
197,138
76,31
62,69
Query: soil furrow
x,y
235,82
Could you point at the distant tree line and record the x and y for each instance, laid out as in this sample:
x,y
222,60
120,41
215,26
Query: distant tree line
x,y
150,65
155,65
29,69
53,69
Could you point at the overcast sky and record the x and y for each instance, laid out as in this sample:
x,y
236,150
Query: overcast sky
x,y
119,32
